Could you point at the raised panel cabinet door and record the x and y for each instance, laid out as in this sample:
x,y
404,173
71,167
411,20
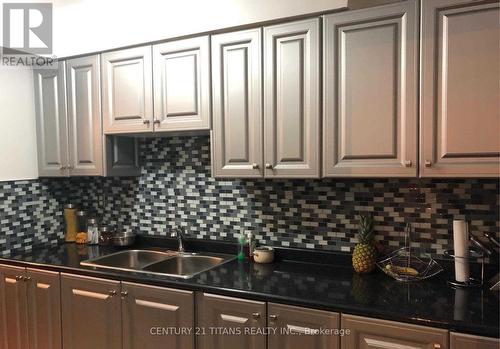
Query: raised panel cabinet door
x,y
127,90
150,312
51,121
292,99
237,104
13,308
44,309
91,313
369,333
297,328
370,92
460,89
228,323
466,341
182,85
84,116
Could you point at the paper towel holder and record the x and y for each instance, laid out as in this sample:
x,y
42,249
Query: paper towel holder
x,y
472,282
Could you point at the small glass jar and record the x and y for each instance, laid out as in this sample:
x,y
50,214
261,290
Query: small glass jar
x,y
92,231
105,236
81,227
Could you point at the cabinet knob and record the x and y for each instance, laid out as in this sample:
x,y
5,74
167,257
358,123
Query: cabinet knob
x,y
63,168
437,346
255,166
157,122
408,163
269,166
273,317
19,277
146,122
112,293
427,163
27,278
70,167
256,315
124,294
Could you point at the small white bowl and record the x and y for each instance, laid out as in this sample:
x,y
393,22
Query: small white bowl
x,y
263,254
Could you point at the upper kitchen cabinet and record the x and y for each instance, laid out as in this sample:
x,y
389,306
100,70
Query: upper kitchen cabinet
x,y
182,85
370,92
460,115
84,116
237,104
292,99
51,121
127,90
69,125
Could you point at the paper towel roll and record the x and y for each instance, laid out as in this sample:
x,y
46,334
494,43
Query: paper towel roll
x,y
461,249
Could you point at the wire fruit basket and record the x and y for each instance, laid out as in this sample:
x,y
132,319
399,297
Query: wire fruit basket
x,y
402,266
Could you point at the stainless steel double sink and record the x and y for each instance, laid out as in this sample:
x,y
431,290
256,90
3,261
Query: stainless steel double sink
x,y
169,263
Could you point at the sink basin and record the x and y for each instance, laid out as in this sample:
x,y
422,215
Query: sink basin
x,y
185,265
169,263
130,259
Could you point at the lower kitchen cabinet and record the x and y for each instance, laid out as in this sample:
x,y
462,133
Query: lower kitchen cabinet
x,y
13,308
150,312
465,341
30,308
91,313
44,309
297,328
367,333
228,323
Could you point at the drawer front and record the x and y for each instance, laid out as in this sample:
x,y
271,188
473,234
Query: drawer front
x,y
369,333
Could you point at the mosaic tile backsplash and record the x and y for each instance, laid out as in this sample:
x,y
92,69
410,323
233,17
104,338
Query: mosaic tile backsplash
x,y
176,189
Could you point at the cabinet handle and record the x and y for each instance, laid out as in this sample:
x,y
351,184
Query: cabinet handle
x,y
273,317
146,122
255,166
408,163
27,278
124,294
112,293
256,315
427,163
437,346
157,122
19,277
269,166
63,168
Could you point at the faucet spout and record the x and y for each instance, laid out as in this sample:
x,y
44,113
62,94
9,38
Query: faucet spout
x,y
179,234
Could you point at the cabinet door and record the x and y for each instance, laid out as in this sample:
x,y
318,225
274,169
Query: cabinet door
x,y
127,90
148,307
465,341
91,313
460,113
235,318
297,328
370,92
84,116
292,99
44,309
51,122
13,308
369,333
237,104
182,85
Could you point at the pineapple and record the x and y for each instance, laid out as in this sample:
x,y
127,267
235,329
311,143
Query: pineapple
x,y
364,255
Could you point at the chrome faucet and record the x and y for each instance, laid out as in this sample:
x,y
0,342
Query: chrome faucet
x,y
179,234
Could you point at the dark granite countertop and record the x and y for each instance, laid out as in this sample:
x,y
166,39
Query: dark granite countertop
x,y
332,287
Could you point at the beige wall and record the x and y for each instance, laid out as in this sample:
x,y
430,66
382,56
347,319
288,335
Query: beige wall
x,y
17,125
